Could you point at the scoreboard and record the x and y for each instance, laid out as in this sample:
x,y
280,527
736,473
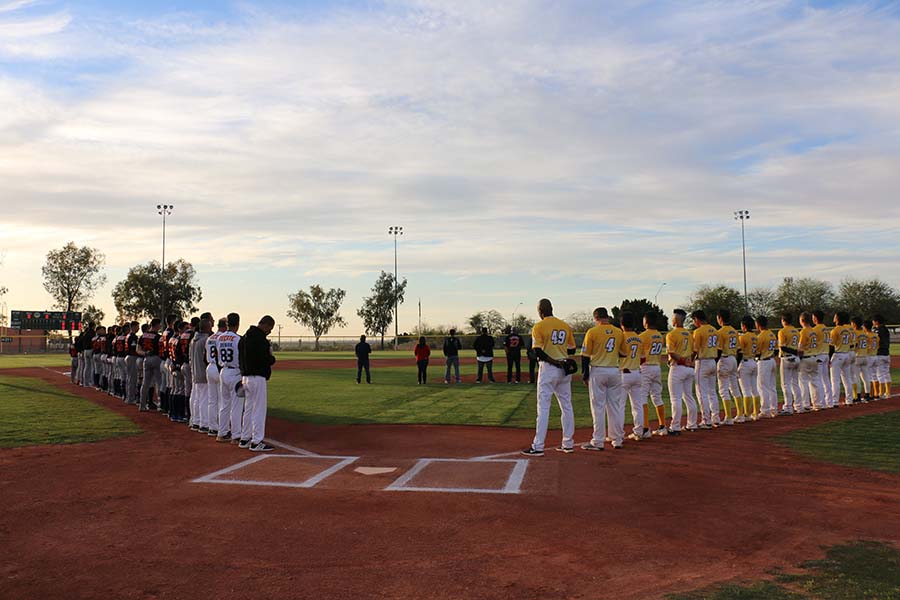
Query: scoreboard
x,y
45,319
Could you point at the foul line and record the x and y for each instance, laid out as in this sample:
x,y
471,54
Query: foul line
x,y
290,448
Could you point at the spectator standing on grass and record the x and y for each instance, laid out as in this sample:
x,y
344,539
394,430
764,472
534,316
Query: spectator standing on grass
x,y
362,351
256,359
512,344
451,349
484,353
422,352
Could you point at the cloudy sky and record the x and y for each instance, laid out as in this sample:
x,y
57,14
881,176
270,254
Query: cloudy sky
x,y
581,150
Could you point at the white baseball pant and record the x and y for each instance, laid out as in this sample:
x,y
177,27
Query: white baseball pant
x,y
841,373
811,388
681,382
212,391
607,404
231,408
726,372
790,383
553,381
765,381
651,384
747,372
632,389
825,376
254,425
705,379
863,365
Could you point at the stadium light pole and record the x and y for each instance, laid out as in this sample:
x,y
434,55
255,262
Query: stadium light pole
x,y
743,215
396,231
656,296
3,324
164,210
512,317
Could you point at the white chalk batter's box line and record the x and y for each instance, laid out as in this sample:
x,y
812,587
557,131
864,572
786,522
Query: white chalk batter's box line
x,y
513,482
343,461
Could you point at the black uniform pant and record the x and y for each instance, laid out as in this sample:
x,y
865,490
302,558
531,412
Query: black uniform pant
x,y
511,360
490,369
360,365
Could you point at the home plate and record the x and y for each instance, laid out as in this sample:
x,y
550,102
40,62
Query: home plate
x,y
375,470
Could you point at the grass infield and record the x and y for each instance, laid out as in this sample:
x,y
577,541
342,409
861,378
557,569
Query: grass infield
x,y
33,412
855,571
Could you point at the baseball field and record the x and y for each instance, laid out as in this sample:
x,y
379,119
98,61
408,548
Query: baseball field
x,y
398,490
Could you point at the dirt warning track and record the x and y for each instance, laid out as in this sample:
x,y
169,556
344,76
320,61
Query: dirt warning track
x,y
128,518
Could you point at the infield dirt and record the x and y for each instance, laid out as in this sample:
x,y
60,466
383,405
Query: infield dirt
x,y
123,519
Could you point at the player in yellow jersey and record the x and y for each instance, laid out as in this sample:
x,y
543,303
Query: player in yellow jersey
x,y
882,356
705,343
726,368
748,367
825,366
679,348
788,340
630,366
765,376
841,344
864,359
603,345
552,342
810,350
653,345
875,385
855,375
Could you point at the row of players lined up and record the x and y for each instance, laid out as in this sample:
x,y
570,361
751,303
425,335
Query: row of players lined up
x,y
213,381
619,364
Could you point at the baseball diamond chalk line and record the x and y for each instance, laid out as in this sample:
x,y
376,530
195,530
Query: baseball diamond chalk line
x,y
512,485
343,461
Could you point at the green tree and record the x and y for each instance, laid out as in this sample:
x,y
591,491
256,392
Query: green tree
x,y
522,324
712,298
866,298
317,309
72,274
804,294
761,301
377,311
492,319
92,314
580,321
639,307
145,292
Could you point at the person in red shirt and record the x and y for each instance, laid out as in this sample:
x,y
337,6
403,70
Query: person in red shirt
x,y
422,352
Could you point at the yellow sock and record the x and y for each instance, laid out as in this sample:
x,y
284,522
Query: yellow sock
x,y
646,416
854,391
661,415
874,389
755,405
725,404
745,400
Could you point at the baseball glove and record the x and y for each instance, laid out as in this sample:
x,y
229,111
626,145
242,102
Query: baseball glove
x,y
239,390
570,366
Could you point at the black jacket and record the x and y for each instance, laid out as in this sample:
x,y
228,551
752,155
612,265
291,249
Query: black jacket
x,y
452,346
255,353
484,345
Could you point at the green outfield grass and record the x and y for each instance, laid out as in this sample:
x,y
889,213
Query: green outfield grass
x,y
870,441
34,412
856,571
19,361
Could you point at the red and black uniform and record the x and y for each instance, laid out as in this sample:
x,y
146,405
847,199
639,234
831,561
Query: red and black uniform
x,y
150,343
